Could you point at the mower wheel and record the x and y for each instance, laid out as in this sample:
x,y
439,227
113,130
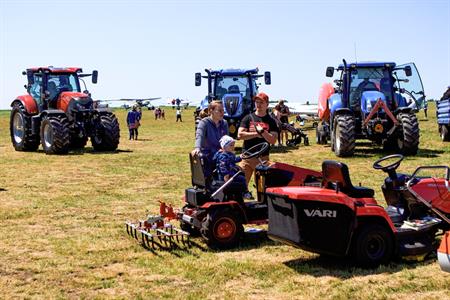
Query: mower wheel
x,y
107,134
373,246
445,133
20,129
344,135
408,143
55,136
222,229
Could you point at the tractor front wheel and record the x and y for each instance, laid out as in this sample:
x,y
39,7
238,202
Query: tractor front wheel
x,y
222,229
55,135
20,130
408,142
445,133
107,134
373,246
344,135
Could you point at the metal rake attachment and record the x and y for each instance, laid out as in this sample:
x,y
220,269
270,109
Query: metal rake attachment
x,y
155,234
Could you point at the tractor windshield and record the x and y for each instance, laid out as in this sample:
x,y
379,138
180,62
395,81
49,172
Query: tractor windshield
x,y
410,87
369,79
64,82
235,85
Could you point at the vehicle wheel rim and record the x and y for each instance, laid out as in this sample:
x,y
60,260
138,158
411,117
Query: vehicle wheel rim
x,y
18,130
48,136
225,229
337,139
375,247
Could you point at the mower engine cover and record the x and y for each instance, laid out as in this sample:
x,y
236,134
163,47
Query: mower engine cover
x,y
311,218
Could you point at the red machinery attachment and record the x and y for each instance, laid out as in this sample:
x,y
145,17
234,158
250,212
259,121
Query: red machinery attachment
x,y
157,233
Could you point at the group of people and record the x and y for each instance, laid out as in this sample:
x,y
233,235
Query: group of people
x,y
217,147
160,114
281,115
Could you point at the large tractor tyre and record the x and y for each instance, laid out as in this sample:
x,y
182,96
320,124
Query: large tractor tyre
x,y
344,136
445,133
373,246
78,143
55,134
107,134
408,142
222,229
20,130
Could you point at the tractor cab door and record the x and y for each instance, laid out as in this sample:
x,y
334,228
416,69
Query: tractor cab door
x,y
35,89
408,87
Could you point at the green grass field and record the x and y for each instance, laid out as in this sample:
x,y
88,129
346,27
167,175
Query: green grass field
x,y
62,231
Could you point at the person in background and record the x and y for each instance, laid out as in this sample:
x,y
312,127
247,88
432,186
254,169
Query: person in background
x,y
163,114
179,114
284,119
133,122
209,132
257,127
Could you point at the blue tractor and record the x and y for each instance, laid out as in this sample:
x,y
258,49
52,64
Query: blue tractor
x,y
235,88
371,100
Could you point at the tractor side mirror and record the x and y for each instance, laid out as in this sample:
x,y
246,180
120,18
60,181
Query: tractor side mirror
x,y
267,78
329,72
198,79
94,76
408,71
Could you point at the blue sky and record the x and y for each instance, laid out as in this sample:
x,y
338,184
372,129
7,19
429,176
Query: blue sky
x,y
153,48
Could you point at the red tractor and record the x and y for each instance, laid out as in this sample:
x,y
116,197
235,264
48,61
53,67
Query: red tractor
x,y
58,115
340,219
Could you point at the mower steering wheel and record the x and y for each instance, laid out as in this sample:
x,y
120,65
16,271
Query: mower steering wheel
x,y
255,151
390,169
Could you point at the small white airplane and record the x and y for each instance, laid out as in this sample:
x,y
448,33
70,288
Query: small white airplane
x,y
305,112
141,102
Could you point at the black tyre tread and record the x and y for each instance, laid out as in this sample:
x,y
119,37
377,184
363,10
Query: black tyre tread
x,y
30,142
362,259
208,228
61,134
110,135
445,133
411,133
346,124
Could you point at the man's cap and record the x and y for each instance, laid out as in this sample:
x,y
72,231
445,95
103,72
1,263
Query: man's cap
x,y
225,141
262,96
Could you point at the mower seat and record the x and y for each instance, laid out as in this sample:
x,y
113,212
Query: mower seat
x,y
199,180
336,176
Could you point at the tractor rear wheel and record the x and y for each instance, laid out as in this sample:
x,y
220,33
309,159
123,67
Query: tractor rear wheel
x,y
373,246
55,134
408,142
20,130
222,229
445,133
107,134
344,135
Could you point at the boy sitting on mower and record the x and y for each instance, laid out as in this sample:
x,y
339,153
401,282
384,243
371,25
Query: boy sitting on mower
x,y
227,170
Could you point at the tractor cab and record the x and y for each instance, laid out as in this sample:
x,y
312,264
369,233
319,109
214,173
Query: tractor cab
x,y
54,88
235,88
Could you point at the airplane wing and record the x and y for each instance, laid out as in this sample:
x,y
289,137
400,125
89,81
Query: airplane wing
x,y
140,99
310,110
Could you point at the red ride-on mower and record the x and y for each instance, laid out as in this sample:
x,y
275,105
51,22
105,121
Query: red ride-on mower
x,y
219,218
342,220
